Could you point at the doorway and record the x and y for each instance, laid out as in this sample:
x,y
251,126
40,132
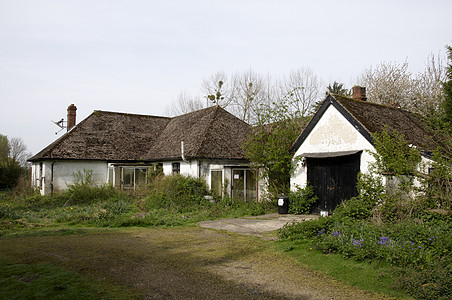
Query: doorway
x,y
333,179
244,185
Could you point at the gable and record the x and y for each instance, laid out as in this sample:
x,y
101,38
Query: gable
x,y
368,118
332,133
344,127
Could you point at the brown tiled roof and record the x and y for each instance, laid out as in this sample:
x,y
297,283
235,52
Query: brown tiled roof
x,y
208,133
371,118
107,136
375,117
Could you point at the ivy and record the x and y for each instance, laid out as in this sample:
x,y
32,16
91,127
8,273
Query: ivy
x,y
394,155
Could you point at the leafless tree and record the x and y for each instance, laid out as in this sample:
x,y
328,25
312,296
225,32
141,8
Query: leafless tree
x,y
183,104
251,91
244,94
303,86
428,85
19,151
220,87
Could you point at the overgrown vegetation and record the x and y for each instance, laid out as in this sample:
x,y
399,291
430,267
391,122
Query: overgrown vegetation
x,y
301,200
401,217
268,147
169,201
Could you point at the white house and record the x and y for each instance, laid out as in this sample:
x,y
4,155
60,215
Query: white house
x,y
119,148
335,145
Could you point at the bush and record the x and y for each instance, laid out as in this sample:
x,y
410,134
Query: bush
x,y
84,191
301,200
177,191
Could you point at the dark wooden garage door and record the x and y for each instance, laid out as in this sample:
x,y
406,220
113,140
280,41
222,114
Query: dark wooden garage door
x,y
334,179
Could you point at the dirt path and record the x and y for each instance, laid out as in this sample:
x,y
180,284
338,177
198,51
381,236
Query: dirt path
x,y
181,263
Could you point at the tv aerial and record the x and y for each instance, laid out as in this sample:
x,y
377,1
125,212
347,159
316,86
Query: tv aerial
x,y
60,124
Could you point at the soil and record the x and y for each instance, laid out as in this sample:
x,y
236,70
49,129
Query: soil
x,y
181,263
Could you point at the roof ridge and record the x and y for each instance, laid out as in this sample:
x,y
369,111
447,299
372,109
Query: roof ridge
x,y
206,130
130,114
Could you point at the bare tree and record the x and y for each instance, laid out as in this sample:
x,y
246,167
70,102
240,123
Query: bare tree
x,y
251,90
183,104
428,85
303,86
217,89
19,151
245,94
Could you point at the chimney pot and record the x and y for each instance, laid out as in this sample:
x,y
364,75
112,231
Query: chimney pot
x,y
359,93
71,116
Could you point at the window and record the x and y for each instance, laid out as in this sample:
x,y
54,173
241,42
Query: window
x,y
176,168
216,180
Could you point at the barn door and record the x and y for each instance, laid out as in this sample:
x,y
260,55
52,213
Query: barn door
x,y
334,179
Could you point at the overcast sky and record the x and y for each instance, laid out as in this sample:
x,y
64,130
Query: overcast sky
x,y
136,56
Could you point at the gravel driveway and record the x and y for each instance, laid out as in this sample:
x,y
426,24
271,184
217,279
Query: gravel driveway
x,y
261,226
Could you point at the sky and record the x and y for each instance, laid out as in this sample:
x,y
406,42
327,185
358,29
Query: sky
x,y
136,56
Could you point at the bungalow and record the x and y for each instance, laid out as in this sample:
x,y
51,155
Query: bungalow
x,y
119,149
335,145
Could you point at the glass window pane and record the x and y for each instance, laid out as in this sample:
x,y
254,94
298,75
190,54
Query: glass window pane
x,y
128,178
110,176
216,179
140,177
251,188
238,184
117,177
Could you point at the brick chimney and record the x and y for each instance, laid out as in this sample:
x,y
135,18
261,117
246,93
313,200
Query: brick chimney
x,y
71,115
359,93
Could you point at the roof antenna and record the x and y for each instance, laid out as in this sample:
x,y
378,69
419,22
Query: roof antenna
x,y
60,124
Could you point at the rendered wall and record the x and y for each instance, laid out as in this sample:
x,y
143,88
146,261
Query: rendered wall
x,y
62,173
333,133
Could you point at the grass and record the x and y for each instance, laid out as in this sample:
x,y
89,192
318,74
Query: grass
x,y
367,275
182,262
44,281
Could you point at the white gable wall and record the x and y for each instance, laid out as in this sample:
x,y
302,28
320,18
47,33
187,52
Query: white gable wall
x,y
332,133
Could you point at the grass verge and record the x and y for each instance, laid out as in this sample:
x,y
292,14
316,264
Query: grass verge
x,y
367,275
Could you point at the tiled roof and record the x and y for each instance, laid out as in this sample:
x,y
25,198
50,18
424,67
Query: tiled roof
x,y
371,118
207,133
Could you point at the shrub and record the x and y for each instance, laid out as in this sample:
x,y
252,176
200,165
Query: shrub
x,y
177,191
301,200
305,229
83,190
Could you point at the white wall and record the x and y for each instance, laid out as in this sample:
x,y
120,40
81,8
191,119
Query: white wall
x,y
333,133
187,168
63,173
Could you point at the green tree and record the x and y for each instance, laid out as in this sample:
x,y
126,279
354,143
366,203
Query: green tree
x,y
268,146
10,168
447,86
338,89
4,147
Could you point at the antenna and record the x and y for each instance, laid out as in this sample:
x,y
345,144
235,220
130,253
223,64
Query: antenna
x,y
60,124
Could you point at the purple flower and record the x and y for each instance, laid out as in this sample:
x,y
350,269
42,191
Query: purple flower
x,y
357,243
320,232
384,240
336,233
